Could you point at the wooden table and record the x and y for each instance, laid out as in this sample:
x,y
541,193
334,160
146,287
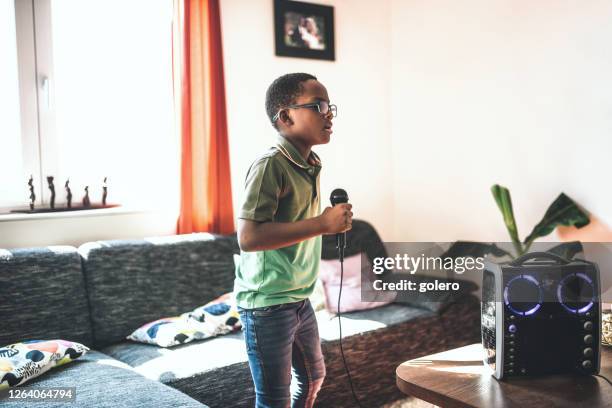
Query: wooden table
x,y
457,378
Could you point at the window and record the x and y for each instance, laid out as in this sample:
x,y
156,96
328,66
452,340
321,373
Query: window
x,y
11,156
101,93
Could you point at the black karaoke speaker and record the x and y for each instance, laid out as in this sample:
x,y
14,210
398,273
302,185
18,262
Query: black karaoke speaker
x,y
541,314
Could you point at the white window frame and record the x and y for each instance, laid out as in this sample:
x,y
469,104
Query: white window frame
x,y
40,154
39,140
35,67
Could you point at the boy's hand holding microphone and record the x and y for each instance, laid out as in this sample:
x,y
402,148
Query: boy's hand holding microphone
x,y
338,219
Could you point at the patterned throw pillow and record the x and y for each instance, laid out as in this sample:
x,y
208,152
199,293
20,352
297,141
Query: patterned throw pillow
x,y
23,361
222,312
214,318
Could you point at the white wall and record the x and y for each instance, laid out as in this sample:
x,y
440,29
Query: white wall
x,y
465,95
358,81
516,93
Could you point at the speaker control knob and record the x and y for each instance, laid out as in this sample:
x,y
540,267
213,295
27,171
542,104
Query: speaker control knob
x,y
588,352
512,328
588,326
587,364
588,339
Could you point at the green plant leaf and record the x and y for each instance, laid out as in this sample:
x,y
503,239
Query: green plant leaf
x,y
504,202
563,211
474,250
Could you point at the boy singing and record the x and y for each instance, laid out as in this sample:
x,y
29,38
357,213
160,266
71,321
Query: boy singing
x,y
279,232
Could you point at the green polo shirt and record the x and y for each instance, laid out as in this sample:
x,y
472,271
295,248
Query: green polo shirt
x,y
280,187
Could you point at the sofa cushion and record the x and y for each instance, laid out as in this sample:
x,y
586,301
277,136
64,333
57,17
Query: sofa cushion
x,y
21,362
213,319
181,361
171,331
363,321
131,283
42,296
102,381
205,356
394,333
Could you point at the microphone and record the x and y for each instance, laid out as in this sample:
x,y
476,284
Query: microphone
x,y
339,196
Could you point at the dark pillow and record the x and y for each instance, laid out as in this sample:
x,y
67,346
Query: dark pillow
x,y
364,238
433,300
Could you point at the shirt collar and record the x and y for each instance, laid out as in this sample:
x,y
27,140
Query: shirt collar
x,y
292,153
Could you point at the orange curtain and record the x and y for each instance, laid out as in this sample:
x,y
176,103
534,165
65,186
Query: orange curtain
x,y
199,92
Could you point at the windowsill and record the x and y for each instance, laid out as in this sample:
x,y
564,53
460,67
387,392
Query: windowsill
x,y
74,228
9,217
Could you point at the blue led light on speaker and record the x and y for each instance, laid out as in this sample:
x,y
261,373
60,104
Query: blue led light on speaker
x,y
583,309
533,309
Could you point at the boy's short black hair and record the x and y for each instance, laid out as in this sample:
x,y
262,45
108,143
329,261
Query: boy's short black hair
x,y
283,91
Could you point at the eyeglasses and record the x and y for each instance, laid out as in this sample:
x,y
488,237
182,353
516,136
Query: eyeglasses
x,y
322,107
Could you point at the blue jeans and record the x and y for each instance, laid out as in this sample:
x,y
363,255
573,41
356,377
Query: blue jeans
x,y
279,338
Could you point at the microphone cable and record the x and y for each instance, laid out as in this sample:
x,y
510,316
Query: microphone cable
x,y
605,378
348,373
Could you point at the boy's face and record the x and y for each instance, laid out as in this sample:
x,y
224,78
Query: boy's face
x,y
306,124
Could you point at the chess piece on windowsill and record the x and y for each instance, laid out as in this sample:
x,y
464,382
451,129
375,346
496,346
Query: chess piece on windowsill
x,y
104,192
68,194
52,188
86,201
32,195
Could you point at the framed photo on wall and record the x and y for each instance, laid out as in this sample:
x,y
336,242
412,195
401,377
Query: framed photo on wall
x,y
304,30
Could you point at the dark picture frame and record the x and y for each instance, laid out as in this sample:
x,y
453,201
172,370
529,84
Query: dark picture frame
x,y
304,30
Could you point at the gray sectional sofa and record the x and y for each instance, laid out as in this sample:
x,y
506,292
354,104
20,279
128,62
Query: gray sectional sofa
x,y
99,293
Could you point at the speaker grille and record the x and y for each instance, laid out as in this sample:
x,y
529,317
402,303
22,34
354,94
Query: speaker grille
x,y
576,293
523,295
